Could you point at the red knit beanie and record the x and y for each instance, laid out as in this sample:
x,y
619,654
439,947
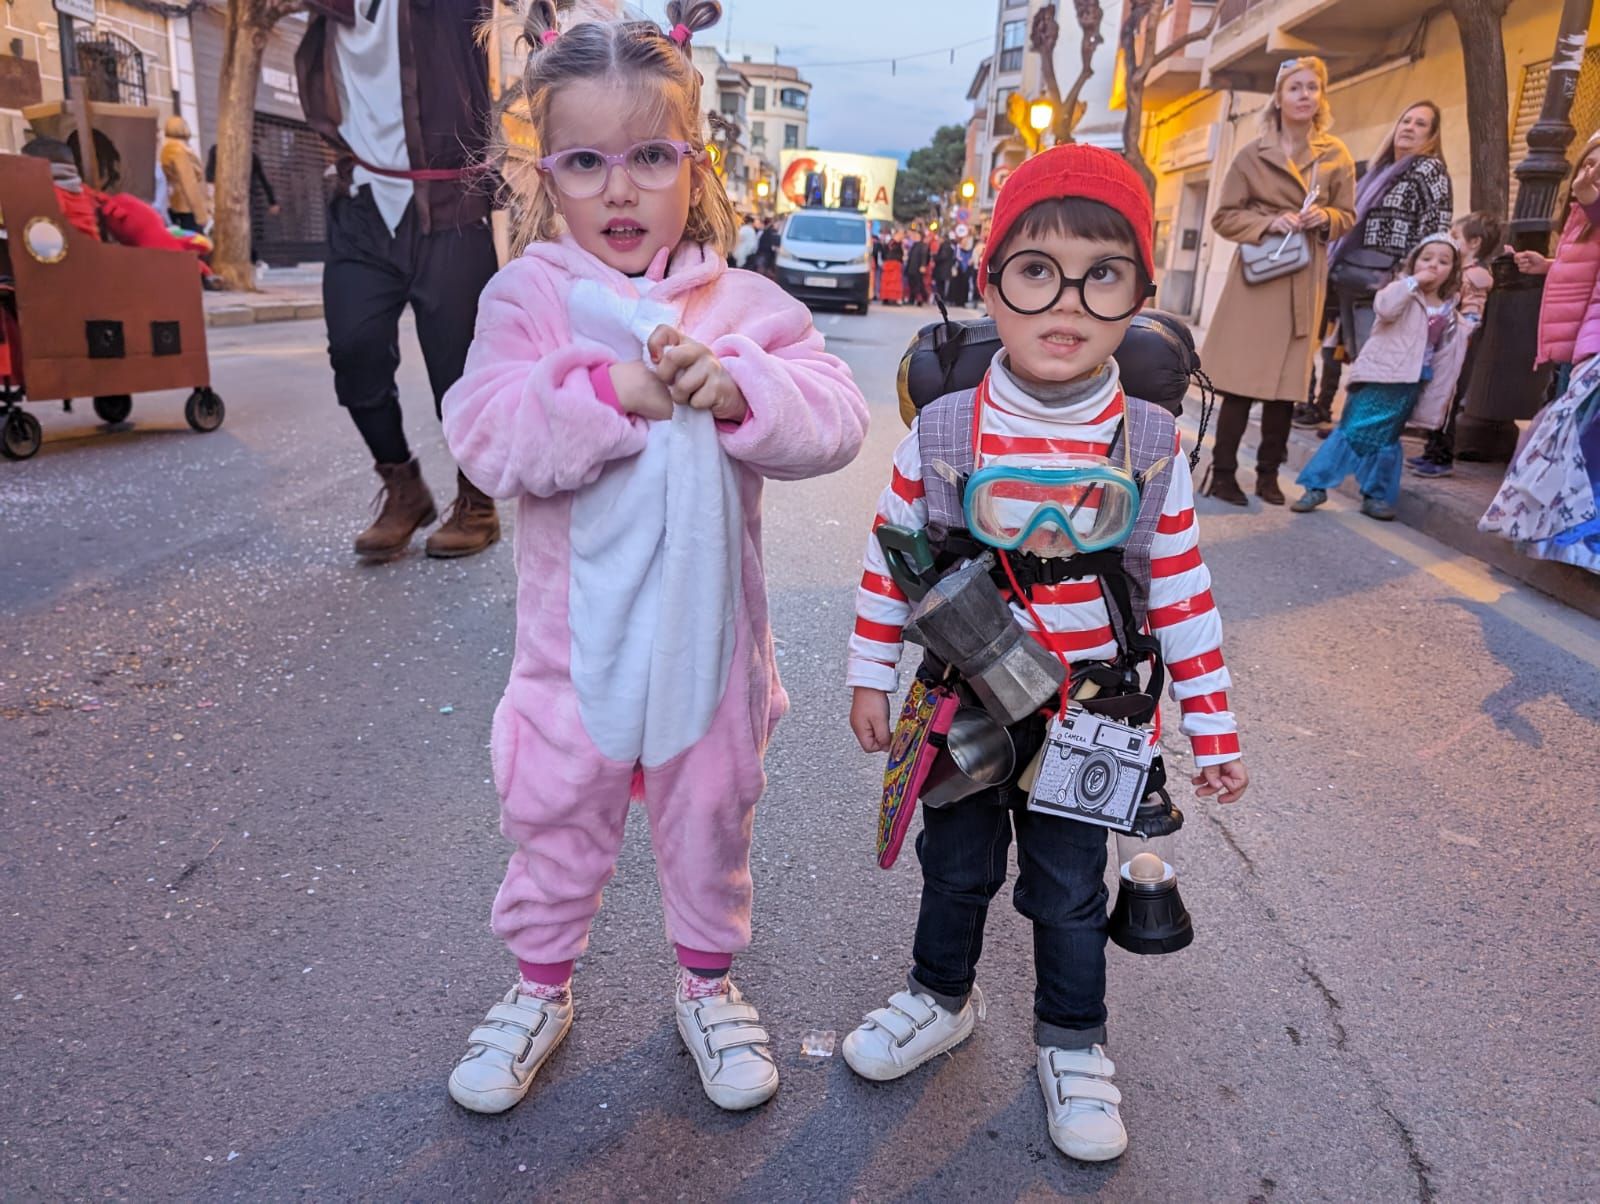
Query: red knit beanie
x,y
1073,170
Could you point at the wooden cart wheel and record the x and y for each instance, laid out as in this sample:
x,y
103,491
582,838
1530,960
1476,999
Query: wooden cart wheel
x,y
22,435
115,408
204,410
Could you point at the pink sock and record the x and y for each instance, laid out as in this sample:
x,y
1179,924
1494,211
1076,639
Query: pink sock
x,y
693,986
549,981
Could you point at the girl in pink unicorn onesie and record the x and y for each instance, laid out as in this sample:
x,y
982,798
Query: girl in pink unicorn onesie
x,y
632,392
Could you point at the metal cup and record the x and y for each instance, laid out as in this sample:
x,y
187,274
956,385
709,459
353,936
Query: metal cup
x,y
977,755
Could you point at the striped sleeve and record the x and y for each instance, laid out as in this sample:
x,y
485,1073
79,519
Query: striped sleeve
x,y
1183,616
881,607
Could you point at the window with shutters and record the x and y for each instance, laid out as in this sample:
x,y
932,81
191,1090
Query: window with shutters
x,y
112,67
1585,116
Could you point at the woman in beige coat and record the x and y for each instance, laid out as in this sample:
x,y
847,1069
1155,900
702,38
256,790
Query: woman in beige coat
x,y
1260,344
186,182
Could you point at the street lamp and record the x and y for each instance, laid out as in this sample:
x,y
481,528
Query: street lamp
x,y
763,189
1503,385
969,189
1041,113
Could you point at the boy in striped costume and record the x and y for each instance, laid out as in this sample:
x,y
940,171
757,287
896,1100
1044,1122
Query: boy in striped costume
x,y
1067,267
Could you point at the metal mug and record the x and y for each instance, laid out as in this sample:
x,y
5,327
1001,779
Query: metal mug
x,y
978,754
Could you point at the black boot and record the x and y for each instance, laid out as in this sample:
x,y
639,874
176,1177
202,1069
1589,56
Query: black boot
x,y
1225,488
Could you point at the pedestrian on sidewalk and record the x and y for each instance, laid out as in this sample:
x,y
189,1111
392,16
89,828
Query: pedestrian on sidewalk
x,y
1404,196
186,185
632,393
1069,266
891,290
1476,237
917,269
744,246
408,224
1409,365
259,185
1569,308
1295,182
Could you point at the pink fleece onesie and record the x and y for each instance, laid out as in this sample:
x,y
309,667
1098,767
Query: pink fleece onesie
x,y
621,665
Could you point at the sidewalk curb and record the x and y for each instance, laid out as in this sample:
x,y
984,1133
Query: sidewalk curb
x,y
253,313
1567,584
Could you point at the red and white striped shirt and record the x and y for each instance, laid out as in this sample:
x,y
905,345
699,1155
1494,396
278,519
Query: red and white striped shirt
x,y
1077,623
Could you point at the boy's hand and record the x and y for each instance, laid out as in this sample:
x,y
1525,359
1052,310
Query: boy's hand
x,y
1227,781
694,376
869,718
639,392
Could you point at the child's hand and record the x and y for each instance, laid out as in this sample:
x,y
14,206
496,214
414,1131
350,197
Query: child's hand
x,y
695,377
1530,263
1586,185
869,718
639,392
1227,781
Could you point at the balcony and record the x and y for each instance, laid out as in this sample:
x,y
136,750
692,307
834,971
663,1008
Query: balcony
x,y
1179,75
1254,36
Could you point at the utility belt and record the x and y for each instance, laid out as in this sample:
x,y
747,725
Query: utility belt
x,y
1111,688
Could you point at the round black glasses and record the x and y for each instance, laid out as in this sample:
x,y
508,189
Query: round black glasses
x,y
1030,282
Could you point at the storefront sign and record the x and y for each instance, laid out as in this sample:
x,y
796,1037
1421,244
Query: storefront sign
x,y
1188,149
876,173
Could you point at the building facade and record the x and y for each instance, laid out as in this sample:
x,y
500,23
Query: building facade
x,y
128,54
1383,56
779,107
1014,68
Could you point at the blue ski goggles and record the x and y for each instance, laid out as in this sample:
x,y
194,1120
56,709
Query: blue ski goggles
x,y
1051,508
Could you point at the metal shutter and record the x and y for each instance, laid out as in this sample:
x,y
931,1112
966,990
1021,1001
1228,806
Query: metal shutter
x,y
295,160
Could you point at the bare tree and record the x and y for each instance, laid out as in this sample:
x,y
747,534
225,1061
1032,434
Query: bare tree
x,y
248,25
1043,38
1141,55
1483,54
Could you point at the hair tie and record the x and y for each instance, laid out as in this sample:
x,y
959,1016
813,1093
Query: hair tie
x,y
681,34
548,36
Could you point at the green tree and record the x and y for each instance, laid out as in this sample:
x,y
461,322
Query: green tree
x,y
935,168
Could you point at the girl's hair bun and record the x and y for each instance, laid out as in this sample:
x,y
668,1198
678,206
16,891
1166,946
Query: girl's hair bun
x,y
693,15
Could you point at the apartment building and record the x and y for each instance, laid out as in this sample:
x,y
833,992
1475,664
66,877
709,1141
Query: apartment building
x,y
780,107
726,90
1383,55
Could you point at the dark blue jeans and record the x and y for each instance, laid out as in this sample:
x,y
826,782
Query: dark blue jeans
x,y
1060,887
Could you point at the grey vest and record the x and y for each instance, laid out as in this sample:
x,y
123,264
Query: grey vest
x,y
945,438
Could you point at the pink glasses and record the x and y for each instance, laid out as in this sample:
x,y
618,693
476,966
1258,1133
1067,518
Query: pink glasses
x,y
583,171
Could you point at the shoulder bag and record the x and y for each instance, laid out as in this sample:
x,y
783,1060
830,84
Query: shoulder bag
x,y
1274,256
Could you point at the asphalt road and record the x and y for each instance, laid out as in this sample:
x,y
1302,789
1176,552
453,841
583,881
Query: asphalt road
x,y
249,845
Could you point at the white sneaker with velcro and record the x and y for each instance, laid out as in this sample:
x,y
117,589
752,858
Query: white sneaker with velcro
x,y
724,1034
895,1040
506,1051
1081,1103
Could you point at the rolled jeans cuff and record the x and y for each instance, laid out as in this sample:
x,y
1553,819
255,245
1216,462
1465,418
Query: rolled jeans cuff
x,y
950,1003
1054,1036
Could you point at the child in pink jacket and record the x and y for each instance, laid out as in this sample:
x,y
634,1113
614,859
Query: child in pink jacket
x,y
1569,310
632,393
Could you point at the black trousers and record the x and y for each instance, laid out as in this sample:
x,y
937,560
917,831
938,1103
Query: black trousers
x,y
1276,417
369,279
1060,887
